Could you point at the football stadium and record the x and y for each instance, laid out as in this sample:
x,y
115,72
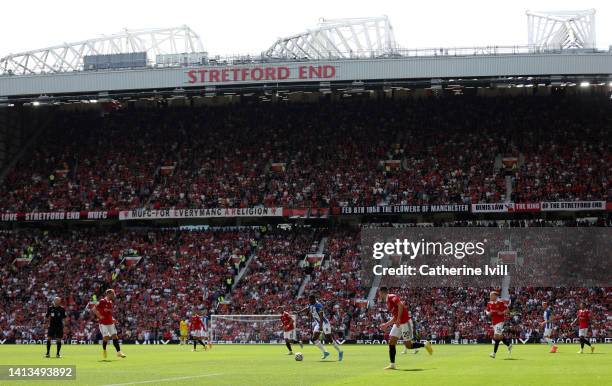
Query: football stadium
x,y
337,209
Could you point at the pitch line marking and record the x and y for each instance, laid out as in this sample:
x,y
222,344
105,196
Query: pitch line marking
x,y
163,380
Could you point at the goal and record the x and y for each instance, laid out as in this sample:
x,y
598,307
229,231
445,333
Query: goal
x,y
247,329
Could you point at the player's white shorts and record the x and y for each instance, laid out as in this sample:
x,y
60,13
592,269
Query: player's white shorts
x,y
291,335
201,333
498,329
108,330
583,332
547,332
326,327
405,331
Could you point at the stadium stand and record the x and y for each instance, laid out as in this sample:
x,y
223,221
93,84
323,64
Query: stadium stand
x,y
328,154
347,153
185,270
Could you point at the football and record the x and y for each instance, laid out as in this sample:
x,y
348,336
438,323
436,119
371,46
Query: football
x,y
299,357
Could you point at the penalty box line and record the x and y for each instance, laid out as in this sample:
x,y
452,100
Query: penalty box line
x,y
163,380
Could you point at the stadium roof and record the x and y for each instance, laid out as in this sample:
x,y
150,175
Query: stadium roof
x,y
338,52
338,39
69,56
566,29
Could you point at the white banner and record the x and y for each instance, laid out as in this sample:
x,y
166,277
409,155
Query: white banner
x,y
401,209
503,207
154,214
572,206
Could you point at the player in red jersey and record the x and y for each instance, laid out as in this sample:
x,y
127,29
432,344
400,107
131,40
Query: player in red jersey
x,y
289,332
197,328
584,320
497,310
401,326
104,312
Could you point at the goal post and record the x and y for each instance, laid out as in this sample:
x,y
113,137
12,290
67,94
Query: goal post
x,y
247,329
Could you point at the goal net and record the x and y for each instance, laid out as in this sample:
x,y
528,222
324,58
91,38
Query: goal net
x,y
247,328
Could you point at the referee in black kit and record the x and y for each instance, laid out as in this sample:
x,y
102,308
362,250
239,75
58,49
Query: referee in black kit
x,y
55,321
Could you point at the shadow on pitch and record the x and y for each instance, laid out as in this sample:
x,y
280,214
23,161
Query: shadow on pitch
x,y
413,369
512,359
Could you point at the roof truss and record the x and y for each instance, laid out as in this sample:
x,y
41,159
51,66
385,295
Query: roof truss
x,y
338,39
69,56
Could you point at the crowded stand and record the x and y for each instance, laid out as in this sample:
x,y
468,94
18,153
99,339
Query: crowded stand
x,y
345,153
275,274
86,162
184,271
187,271
329,154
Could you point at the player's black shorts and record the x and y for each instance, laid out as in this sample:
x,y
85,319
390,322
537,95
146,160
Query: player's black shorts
x,y
56,332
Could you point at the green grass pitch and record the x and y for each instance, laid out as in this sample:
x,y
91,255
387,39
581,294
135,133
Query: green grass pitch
x,y
362,365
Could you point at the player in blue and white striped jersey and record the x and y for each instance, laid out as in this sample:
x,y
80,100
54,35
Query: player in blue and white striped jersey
x,y
548,326
320,323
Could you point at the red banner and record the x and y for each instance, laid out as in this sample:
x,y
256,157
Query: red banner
x,y
526,207
132,260
21,262
305,212
315,257
319,212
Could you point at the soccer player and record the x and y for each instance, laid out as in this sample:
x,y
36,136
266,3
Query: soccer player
x,y
55,323
401,326
497,309
205,335
547,323
104,312
196,326
320,323
289,333
584,319
183,329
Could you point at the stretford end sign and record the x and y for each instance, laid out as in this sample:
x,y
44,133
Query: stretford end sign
x,y
257,74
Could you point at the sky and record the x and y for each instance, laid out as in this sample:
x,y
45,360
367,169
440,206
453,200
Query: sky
x,y
249,27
